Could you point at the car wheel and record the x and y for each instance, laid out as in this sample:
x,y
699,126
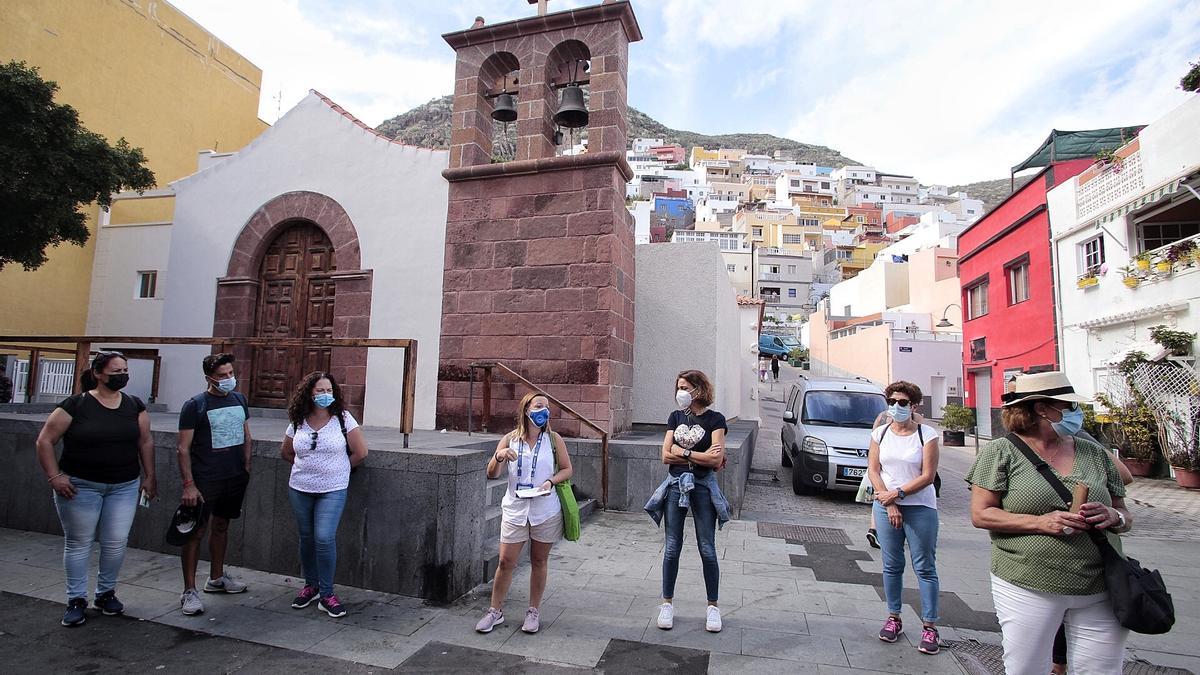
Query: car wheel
x,y
798,485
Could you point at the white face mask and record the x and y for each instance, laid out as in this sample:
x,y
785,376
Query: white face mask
x,y
683,398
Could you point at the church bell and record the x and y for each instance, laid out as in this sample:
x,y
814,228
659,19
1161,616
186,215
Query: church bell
x,y
572,113
505,110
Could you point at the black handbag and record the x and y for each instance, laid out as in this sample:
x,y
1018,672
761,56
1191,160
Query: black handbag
x,y
1139,597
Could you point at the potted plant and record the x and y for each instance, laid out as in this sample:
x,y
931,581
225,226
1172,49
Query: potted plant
x,y
1131,427
1184,451
1129,277
956,419
1182,252
1142,262
1163,266
1088,279
1178,341
1105,157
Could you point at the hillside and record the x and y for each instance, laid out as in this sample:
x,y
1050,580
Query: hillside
x,y
990,192
428,125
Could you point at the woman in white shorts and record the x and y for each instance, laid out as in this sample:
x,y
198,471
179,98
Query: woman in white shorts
x,y
535,460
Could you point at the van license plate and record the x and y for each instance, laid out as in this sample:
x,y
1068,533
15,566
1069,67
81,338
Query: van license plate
x,y
853,472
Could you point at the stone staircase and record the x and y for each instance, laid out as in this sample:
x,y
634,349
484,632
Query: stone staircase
x,y
494,495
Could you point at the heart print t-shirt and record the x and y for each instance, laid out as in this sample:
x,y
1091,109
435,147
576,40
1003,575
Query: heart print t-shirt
x,y
694,432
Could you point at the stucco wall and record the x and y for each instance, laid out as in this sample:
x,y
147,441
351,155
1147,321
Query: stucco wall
x,y
114,308
686,317
394,195
864,353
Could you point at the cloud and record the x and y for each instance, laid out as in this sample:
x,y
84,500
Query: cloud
x,y
376,65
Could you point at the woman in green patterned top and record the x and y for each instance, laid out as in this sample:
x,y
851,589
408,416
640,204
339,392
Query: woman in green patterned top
x,y
1046,570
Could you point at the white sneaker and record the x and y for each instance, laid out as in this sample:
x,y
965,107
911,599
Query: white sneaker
x,y
666,616
713,623
190,602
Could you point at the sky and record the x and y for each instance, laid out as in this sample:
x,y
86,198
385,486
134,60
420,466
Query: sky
x,y
948,91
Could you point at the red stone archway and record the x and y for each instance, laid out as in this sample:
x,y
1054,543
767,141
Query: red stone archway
x,y
238,290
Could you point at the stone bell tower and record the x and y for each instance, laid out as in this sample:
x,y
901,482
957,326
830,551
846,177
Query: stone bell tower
x,y
539,268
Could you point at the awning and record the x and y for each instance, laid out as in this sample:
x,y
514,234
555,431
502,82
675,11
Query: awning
x,y
1145,199
1061,146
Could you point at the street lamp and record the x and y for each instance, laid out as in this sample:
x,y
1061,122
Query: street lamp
x,y
945,323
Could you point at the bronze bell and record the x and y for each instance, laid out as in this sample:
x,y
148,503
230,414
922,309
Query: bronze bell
x,y
505,110
572,113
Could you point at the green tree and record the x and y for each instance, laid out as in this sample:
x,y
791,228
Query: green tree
x,y
1191,81
50,167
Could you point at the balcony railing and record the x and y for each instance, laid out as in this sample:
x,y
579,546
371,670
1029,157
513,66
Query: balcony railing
x,y
1101,188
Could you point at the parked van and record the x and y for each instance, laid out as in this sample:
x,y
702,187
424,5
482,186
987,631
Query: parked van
x,y
777,345
827,431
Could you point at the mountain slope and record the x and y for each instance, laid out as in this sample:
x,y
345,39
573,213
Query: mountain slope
x,y
428,126
990,192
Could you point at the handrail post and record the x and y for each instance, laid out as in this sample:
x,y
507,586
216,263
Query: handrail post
x,y
604,470
487,397
82,351
470,395
31,378
410,389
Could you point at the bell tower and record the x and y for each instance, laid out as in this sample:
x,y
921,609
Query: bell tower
x,y
539,265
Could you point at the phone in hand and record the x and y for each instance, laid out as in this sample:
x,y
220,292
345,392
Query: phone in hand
x,y
143,499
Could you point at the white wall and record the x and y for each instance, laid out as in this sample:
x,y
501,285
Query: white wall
x,y
395,196
121,252
686,317
926,360
881,286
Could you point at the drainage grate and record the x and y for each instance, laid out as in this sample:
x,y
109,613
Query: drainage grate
x,y
803,533
980,658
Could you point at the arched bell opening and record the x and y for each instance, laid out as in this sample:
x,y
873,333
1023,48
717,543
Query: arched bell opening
x,y
500,79
568,73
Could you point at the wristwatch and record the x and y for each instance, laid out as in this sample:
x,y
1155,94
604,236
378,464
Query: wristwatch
x,y
901,493
687,454
1121,519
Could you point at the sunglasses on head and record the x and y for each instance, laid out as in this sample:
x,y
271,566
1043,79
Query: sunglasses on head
x,y
902,402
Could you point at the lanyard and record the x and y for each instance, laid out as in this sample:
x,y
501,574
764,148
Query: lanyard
x,y
533,451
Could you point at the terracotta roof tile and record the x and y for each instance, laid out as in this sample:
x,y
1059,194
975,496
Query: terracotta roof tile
x,y
345,113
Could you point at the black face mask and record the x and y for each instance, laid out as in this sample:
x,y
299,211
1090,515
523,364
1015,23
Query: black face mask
x,y
117,382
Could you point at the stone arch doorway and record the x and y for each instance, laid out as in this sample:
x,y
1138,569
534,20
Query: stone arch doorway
x,y
323,230
295,300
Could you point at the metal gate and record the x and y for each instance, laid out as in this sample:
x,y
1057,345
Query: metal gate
x,y
56,378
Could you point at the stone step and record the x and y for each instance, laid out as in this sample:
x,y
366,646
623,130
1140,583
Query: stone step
x,y
491,549
495,491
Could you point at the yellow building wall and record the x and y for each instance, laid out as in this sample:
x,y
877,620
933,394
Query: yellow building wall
x,y
138,69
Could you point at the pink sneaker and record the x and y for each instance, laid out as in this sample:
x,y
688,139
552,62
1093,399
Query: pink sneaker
x,y
892,628
305,597
492,618
532,622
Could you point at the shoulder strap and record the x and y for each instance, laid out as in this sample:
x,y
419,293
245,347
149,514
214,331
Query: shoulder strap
x,y
342,422
921,434
201,401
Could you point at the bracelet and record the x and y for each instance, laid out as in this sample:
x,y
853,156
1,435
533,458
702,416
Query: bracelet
x,y
51,478
187,483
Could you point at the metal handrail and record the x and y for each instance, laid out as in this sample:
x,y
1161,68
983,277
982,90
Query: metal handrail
x,y
486,367
83,350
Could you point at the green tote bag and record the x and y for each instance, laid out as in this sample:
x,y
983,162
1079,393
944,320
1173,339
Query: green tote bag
x,y
570,507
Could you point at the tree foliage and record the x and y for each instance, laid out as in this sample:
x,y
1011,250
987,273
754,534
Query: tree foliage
x,y
1191,81
50,167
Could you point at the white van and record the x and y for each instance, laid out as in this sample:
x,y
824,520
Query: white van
x,y
827,431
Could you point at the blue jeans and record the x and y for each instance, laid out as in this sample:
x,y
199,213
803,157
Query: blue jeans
x,y
705,516
101,511
920,529
317,518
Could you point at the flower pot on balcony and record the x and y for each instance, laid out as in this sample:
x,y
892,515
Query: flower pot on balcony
x,y
1162,267
1143,265
1087,282
1187,478
1131,282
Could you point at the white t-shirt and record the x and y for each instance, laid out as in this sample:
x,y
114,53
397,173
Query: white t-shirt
x,y
323,466
900,459
536,510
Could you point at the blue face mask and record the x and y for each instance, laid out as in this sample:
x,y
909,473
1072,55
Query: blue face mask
x,y
227,385
540,417
1071,423
900,413
323,400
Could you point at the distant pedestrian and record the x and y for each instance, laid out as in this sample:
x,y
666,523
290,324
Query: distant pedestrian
x,y
763,366
322,443
1046,570
775,367
534,459
106,445
214,467
902,462
694,449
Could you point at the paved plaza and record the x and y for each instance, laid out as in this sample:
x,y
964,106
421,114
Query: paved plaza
x,y
800,593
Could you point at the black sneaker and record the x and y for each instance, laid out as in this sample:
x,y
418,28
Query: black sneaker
x,y
929,641
872,539
76,612
332,606
108,603
892,628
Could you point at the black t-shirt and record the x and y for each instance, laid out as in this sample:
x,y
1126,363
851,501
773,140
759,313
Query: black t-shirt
x,y
217,449
101,445
700,427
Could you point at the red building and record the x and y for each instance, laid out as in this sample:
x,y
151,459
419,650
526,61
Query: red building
x,y
669,153
896,222
1007,276
1008,294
